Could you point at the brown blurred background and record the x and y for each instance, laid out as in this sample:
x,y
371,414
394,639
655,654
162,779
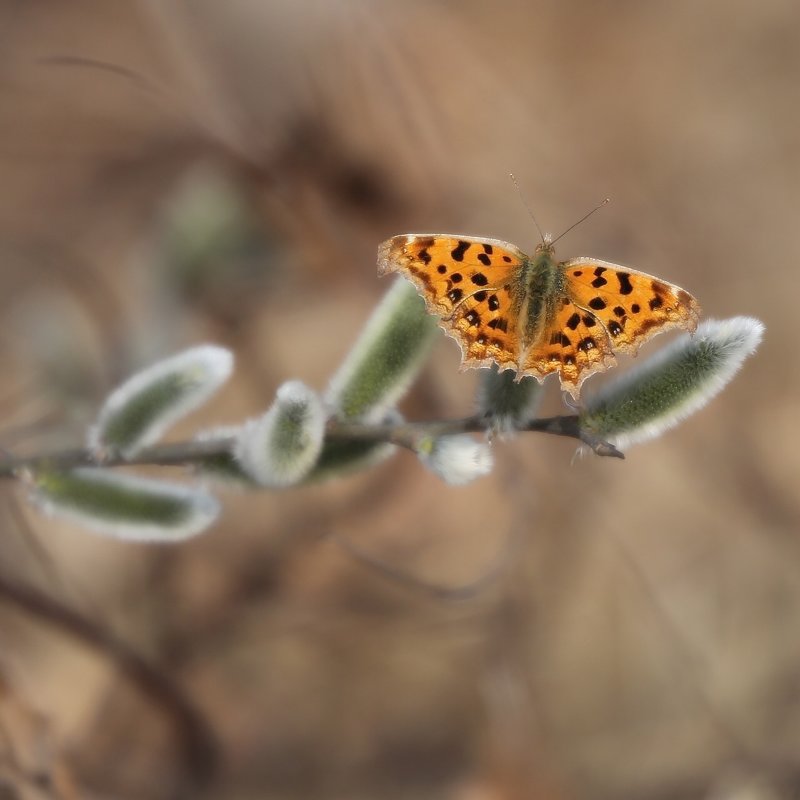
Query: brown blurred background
x,y
640,636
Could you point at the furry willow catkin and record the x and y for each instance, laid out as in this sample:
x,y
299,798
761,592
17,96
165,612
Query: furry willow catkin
x,y
140,410
672,384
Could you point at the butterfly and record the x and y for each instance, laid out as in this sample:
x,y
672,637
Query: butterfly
x,y
534,314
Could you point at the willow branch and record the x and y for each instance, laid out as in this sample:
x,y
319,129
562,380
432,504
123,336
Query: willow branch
x,y
404,434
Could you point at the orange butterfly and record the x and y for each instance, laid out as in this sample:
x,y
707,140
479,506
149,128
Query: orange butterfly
x,y
534,314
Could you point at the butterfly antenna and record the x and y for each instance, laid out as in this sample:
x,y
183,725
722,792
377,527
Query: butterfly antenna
x,y
527,207
582,219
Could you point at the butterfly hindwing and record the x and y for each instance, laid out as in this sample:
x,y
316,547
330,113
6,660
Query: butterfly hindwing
x,y
484,324
576,345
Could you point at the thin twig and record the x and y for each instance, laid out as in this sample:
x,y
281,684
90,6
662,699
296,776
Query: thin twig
x,y
438,591
200,750
404,434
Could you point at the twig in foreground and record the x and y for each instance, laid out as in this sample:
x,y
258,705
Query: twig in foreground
x,y
404,434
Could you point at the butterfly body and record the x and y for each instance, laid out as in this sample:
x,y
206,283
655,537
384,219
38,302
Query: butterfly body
x,y
534,314
543,283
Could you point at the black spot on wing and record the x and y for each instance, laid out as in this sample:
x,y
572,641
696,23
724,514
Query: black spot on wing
x,y
484,259
479,279
473,317
458,251
625,285
599,281
597,303
574,321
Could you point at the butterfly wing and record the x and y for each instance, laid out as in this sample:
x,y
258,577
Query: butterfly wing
x,y
632,306
471,285
576,346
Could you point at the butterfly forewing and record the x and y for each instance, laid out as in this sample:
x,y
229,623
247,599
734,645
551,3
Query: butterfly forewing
x,y
469,284
632,306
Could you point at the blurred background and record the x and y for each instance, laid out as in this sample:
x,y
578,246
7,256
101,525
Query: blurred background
x,y
179,172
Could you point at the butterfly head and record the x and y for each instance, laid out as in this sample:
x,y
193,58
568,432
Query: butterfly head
x,y
546,245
